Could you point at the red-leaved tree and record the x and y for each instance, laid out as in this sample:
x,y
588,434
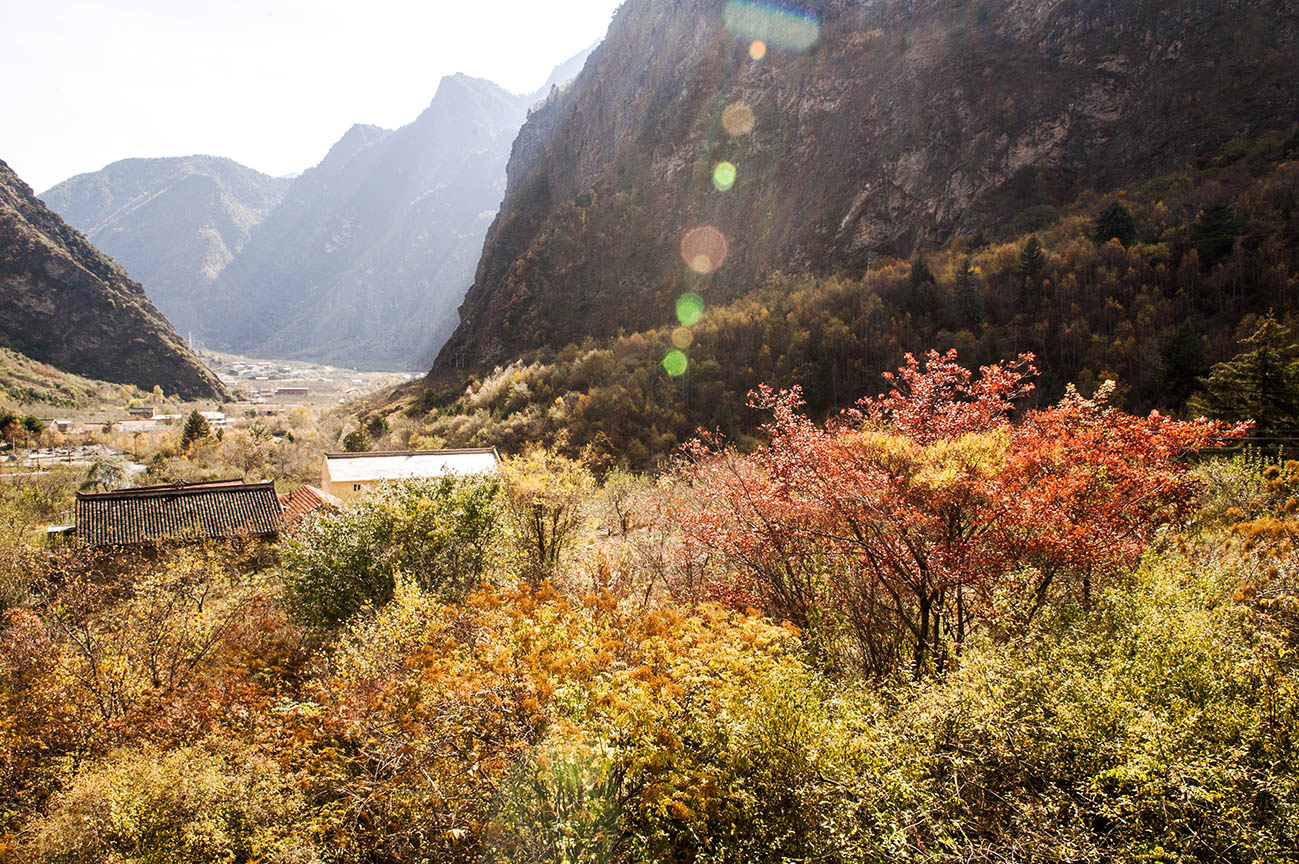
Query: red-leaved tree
x,y
889,532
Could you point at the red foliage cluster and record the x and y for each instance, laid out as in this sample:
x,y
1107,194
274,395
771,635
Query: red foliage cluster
x,y
904,521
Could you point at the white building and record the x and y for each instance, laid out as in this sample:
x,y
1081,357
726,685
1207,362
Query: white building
x,y
348,475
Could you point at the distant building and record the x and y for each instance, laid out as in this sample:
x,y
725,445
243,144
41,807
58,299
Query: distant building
x,y
348,475
177,514
145,413
305,500
152,425
215,419
292,391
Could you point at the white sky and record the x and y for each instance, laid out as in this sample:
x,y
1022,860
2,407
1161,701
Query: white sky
x,y
269,83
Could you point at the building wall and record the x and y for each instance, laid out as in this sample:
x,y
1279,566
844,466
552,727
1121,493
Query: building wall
x,y
346,492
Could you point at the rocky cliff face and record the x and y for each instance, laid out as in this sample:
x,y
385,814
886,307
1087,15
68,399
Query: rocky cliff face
x,y
65,303
864,128
370,252
174,224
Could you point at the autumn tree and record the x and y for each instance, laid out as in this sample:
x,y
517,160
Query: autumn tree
x,y
547,495
11,426
894,529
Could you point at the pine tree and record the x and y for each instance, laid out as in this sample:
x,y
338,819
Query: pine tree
x,y
1115,222
196,427
920,273
969,300
1214,233
357,442
1261,384
1032,261
923,296
1184,363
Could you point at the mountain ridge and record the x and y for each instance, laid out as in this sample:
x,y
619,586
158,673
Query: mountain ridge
x,y
360,260
174,223
67,304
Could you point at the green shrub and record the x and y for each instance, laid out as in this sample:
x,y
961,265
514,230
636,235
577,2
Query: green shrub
x,y
442,533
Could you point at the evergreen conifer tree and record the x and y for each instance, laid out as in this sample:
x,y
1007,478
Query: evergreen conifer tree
x,y
357,442
1032,261
920,273
1214,233
1115,222
969,300
1184,363
196,427
1261,384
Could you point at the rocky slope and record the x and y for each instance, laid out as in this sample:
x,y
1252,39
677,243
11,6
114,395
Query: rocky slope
x,y
866,128
366,258
65,303
174,224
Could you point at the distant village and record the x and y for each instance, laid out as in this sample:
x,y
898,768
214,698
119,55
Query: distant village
x,y
263,388
272,401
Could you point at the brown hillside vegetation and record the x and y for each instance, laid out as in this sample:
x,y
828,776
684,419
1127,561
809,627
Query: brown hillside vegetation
x,y
546,669
1213,246
65,303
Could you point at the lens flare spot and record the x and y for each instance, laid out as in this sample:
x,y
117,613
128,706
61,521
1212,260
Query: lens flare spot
x,y
724,176
690,308
675,364
772,26
682,337
737,119
758,49
704,249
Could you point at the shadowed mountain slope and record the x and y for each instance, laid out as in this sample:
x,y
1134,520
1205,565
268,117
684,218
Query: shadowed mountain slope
x,y
902,124
65,303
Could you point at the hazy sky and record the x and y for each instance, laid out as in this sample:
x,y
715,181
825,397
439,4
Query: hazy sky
x,y
269,83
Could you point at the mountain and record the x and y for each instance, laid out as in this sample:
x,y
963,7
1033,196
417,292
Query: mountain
x,y
65,303
174,224
25,383
1148,286
365,259
863,129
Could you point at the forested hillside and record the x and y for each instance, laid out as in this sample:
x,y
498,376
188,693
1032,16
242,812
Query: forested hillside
x,y
1149,286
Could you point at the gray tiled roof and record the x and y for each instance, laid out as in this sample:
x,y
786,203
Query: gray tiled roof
x,y
204,511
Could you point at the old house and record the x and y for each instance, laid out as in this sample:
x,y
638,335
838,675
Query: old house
x,y
348,475
221,510
304,500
